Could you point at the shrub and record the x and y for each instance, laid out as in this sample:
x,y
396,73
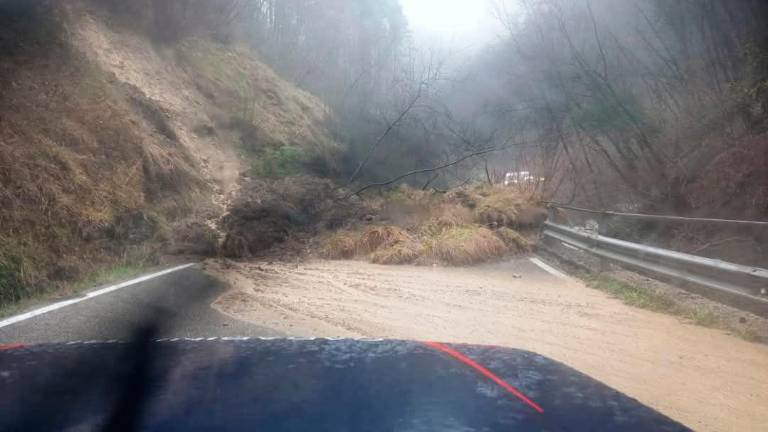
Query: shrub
x,y
445,217
341,245
467,245
268,212
504,207
280,162
377,236
497,207
529,216
389,245
11,285
404,252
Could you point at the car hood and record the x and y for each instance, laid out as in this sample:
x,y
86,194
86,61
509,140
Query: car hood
x,y
258,384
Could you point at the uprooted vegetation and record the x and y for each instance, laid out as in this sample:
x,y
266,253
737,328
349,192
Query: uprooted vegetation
x,y
270,212
462,227
402,226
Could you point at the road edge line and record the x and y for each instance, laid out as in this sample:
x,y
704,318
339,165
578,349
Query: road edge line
x,y
551,270
89,295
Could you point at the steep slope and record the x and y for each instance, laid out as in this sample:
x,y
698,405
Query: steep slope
x,y
114,149
164,93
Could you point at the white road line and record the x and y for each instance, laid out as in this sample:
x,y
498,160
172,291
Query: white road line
x,y
551,270
89,295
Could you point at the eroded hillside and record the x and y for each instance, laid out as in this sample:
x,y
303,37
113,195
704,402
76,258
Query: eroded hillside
x,y
118,148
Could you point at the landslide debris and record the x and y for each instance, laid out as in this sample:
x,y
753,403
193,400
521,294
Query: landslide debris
x,y
406,225
119,147
269,212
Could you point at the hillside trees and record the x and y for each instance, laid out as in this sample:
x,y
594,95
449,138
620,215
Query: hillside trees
x,y
639,102
358,57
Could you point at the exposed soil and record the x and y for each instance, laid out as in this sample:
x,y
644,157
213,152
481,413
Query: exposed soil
x,y
135,62
705,378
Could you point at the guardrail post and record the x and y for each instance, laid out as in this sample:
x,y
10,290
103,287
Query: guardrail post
x,y
551,214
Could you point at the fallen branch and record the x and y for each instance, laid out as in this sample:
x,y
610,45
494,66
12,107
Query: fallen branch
x,y
372,148
428,170
462,184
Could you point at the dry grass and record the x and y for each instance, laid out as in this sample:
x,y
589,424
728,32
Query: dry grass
x,y
272,112
468,244
340,245
445,217
424,227
406,207
79,154
375,237
404,252
497,211
380,245
513,240
505,207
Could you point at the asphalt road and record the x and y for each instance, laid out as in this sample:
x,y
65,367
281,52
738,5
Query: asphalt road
x,y
180,301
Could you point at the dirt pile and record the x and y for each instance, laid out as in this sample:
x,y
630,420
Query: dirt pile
x,y
466,226
400,226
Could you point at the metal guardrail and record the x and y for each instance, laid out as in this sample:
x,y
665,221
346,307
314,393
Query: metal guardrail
x,y
665,218
745,284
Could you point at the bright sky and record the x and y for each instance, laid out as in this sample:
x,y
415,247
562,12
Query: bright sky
x,y
463,22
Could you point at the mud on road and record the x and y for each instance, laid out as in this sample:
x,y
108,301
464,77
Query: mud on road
x,y
705,378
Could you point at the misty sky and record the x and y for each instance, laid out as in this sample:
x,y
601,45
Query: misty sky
x,y
461,23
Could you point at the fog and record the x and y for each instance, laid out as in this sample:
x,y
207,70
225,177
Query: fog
x,y
652,104
458,23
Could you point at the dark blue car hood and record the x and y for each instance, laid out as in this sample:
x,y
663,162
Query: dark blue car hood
x,y
305,385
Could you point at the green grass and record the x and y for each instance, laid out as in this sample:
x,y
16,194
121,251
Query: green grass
x,y
636,296
281,162
704,318
643,298
108,275
11,287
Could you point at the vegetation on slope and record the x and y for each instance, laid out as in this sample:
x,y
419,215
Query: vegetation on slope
x,y
114,144
87,180
281,127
